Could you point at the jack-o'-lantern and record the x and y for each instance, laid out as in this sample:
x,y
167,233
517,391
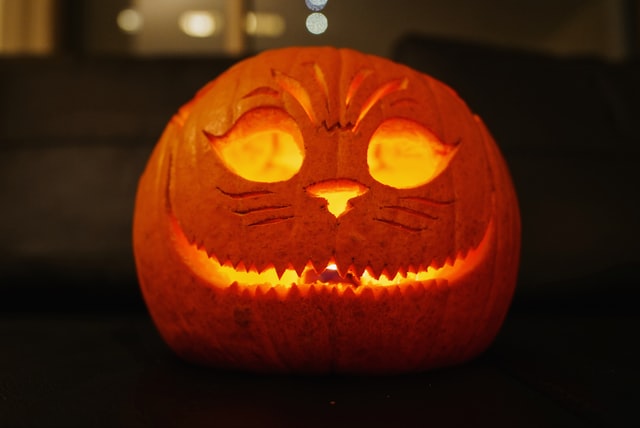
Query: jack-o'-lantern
x,y
321,210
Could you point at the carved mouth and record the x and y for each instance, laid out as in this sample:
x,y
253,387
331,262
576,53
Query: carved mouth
x,y
225,274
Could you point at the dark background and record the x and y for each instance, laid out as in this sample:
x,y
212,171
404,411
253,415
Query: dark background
x,y
77,124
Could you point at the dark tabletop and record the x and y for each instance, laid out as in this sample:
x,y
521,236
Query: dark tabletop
x,y
576,366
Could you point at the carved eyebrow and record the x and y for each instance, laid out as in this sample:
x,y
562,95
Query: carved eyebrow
x,y
262,90
355,84
322,82
297,91
382,91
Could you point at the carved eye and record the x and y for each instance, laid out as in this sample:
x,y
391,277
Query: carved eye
x,y
264,145
404,154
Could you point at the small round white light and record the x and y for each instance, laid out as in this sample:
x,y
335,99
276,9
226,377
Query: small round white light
x,y
129,20
197,23
317,23
315,5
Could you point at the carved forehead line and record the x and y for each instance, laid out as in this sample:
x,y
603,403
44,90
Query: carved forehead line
x,y
356,82
382,91
294,88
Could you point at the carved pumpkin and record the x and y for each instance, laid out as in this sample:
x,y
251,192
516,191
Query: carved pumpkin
x,y
319,209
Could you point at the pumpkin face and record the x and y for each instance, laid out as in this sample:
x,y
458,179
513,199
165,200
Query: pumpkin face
x,y
316,209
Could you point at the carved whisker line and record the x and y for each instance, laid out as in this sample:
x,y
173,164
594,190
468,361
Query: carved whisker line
x,y
271,221
245,195
427,201
399,225
260,209
411,211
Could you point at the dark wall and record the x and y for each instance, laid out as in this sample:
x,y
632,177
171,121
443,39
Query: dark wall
x,y
75,135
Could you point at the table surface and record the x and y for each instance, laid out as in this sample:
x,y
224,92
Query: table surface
x,y
114,370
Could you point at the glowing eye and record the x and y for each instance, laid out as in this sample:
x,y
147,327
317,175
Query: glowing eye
x,y
264,145
404,154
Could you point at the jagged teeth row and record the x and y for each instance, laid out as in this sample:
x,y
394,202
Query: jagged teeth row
x,y
288,273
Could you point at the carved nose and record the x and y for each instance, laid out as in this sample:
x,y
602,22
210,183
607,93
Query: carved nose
x,y
337,193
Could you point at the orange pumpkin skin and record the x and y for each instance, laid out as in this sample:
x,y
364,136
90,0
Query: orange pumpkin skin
x,y
200,215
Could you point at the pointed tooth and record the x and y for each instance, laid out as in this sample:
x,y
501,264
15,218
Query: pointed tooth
x,y
352,270
367,273
366,277
234,260
289,274
359,271
358,266
318,265
310,274
261,289
438,262
229,260
378,268
313,266
296,261
201,247
447,260
348,293
272,294
311,290
233,288
373,273
343,270
462,254
198,243
214,258
240,267
423,268
386,273
269,274
343,262
264,267
280,268
299,269
392,270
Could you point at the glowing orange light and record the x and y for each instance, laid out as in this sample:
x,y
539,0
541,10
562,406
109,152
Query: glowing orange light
x,y
404,154
337,193
265,146
225,274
